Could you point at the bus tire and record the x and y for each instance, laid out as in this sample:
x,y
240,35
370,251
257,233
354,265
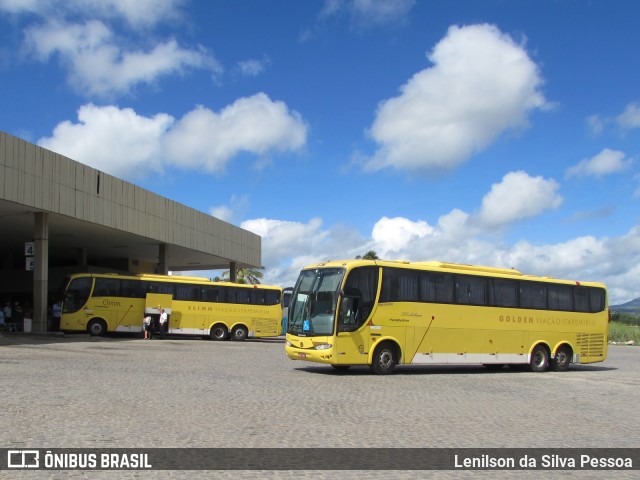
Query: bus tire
x,y
539,359
219,332
97,328
239,333
562,360
385,358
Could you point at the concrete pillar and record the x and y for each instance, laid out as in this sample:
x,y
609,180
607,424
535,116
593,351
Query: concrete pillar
x,y
162,259
232,272
81,258
40,272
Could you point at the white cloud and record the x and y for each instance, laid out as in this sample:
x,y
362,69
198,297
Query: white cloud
x,y
117,141
369,13
595,124
238,204
136,13
516,197
257,124
630,118
615,261
128,145
606,162
481,85
253,67
99,66
394,234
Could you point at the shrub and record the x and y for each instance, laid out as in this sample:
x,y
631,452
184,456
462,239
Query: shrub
x,y
621,333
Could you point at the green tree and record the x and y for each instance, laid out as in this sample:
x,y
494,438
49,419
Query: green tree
x,y
370,255
245,275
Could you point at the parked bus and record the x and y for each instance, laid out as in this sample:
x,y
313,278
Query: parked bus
x,y
286,299
385,313
101,303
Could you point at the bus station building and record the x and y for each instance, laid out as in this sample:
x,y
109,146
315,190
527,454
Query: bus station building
x,y
59,216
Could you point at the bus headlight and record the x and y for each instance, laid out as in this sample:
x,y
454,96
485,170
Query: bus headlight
x,y
288,344
322,346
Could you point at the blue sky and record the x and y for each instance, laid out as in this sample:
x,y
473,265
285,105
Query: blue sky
x,y
488,132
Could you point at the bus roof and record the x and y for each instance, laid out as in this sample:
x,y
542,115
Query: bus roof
x,y
450,268
173,278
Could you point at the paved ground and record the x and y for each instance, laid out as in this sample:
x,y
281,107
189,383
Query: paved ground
x,y
75,391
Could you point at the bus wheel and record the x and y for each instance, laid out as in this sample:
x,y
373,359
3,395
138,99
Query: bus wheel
x,y
539,359
219,332
239,333
97,328
562,360
384,359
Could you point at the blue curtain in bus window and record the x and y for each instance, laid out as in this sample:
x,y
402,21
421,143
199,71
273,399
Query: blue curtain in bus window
x,y
212,295
596,299
257,297
581,299
107,287
533,295
272,297
560,297
187,292
243,296
161,287
471,290
436,287
399,285
132,289
505,293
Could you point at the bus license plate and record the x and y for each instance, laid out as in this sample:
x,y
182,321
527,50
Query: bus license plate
x,y
302,355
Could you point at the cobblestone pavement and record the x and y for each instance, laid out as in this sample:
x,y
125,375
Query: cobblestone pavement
x,y
76,391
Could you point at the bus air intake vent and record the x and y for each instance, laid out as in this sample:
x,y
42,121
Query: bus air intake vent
x,y
590,345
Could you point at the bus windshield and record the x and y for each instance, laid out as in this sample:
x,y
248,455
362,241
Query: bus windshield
x,y
313,303
77,294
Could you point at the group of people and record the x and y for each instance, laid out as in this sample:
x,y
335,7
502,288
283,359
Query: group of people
x,y
155,327
12,316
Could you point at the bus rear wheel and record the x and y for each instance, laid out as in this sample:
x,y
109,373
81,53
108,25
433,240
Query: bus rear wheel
x,y
562,360
97,328
539,359
384,359
239,333
219,332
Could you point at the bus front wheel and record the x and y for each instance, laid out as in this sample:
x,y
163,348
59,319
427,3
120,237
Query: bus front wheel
x,y
384,359
97,328
219,332
239,333
539,359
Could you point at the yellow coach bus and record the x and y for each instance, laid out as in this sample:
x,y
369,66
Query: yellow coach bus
x,y
101,303
386,313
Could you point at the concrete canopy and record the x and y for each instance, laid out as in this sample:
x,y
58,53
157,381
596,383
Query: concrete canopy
x,y
90,218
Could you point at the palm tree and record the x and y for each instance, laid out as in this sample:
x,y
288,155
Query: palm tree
x,y
370,255
246,275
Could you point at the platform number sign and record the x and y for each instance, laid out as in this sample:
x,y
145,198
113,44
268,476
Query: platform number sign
x,y
29,252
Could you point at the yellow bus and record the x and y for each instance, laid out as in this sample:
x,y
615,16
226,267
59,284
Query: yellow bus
x,y
101,303
388,313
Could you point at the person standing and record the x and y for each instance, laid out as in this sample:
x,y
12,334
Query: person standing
x,y
7,317
146,326
56,312
163,322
